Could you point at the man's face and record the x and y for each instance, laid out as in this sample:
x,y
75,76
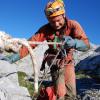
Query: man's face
x,y
57,22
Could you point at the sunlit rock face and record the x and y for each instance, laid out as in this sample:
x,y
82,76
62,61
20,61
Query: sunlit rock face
x,y
4,43
9,85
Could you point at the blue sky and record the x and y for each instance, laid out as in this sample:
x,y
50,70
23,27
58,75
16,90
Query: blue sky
x,y
22,18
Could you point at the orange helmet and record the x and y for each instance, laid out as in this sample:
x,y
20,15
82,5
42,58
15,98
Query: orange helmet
x,y
54,9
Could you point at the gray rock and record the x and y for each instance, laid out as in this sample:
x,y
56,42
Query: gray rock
x,y
9,70
87,60
25,65
88,89
83,60
9,85
10,91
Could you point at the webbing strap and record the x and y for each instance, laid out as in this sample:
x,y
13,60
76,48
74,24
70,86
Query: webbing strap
x,y
56,39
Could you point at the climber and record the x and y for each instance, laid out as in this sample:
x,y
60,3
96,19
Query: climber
x,y
59,28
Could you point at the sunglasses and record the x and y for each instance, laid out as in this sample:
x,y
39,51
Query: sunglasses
x,y
50,11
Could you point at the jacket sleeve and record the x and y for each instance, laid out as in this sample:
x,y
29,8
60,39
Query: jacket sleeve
x,y
82,42
39,36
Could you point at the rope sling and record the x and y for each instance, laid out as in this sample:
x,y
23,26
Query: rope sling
x,y
60,50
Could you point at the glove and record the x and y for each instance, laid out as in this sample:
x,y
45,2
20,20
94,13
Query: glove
x,y
13,58
74,43
68,42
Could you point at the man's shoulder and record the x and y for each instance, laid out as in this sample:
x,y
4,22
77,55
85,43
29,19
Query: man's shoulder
x,y
72,23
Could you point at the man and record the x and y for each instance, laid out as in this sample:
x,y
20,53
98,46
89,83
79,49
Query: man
x,y
58,29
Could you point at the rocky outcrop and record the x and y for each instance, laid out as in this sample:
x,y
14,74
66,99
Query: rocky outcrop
x,y
6,45
88,63
25,64
87,60
9,85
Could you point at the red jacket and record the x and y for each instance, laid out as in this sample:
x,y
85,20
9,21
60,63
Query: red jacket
x,y
72,28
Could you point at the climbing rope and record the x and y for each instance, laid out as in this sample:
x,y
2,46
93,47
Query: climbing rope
x,y
33,97
50,66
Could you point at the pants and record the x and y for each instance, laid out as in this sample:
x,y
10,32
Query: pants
x,y
64,82
63,77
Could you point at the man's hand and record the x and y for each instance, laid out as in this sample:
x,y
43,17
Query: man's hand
x,y
68,42
74,43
